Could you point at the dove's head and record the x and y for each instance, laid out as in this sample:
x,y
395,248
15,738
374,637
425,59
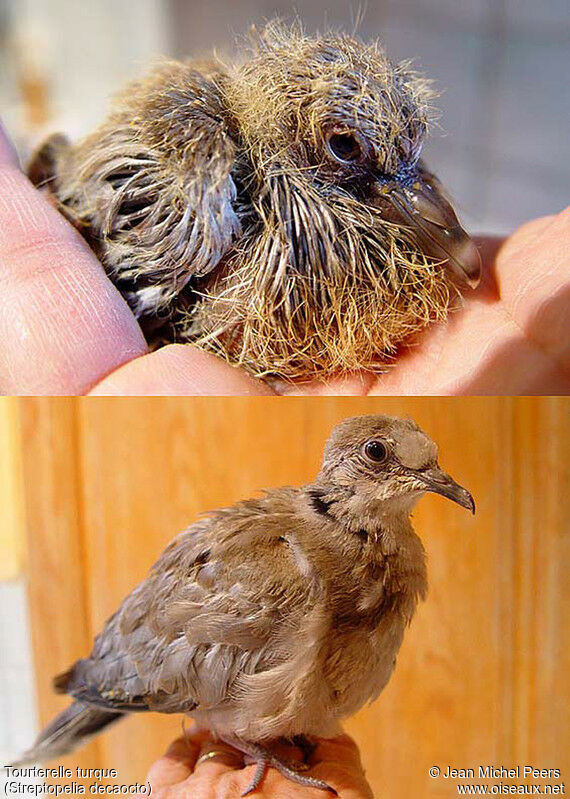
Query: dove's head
x,y
358,246
384,459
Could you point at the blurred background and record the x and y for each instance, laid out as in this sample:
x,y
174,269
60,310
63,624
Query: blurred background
x,y
91,490
502,144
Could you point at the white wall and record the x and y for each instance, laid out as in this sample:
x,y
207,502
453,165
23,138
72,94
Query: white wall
x,y
502,149
18,722
83,50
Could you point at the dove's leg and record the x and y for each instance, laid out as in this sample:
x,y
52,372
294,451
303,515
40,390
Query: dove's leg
x,y
306,746
262,765
265,759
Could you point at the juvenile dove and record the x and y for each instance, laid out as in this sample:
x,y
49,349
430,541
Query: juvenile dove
x,y
276,617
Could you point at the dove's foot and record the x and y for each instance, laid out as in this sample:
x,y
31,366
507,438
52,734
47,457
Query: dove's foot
x,y
256,753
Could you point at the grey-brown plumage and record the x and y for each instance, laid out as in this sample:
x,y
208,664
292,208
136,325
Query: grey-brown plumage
x,y
276,617
275,212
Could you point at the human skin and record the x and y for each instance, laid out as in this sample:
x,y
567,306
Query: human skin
x,y
176,776
65,329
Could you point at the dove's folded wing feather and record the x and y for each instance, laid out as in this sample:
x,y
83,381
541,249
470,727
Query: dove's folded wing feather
x,y
224,607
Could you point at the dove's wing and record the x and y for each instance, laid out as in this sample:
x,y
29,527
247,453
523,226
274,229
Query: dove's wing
x,y
152,188
225,609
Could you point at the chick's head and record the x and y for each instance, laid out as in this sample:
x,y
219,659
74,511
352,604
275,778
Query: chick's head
x,y
355,246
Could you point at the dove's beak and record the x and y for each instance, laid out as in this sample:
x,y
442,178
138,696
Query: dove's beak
x,y
438,230
439,482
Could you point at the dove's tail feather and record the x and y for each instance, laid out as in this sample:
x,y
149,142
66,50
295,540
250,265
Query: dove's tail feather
x,y
67,731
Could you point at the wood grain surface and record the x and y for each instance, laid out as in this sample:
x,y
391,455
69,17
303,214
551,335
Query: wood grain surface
x,y
12,537
483,675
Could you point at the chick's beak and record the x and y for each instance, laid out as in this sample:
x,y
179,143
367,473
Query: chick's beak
x,y
439,482
438,230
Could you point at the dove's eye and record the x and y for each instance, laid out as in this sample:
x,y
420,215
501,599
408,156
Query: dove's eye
x,y
344,147
376,451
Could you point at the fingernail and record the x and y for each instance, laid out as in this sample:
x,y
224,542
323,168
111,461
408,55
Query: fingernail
x,y
8,153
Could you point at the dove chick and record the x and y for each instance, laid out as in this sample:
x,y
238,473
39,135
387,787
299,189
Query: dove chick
x,y
277,617
275,211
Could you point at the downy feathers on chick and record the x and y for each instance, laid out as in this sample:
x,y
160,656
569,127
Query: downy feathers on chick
x,y
277,211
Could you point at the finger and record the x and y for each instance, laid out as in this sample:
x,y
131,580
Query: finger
x,y
525,235
180,369
337,762
63,325
217,753
479,351
218,771
337,750
353,384
494,346
176,764
535,283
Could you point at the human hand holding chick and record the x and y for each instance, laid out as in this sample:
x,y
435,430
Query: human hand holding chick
x,y
64,328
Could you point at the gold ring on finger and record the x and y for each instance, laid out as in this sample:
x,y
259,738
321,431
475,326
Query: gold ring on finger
x,y
211,754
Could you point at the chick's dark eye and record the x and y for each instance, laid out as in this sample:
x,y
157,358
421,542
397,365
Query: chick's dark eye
x,y
377,451
345,147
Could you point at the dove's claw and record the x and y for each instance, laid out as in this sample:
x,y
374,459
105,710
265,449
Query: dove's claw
x,y
256,753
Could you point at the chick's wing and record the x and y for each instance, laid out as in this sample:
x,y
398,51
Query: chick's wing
x,y
151,189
